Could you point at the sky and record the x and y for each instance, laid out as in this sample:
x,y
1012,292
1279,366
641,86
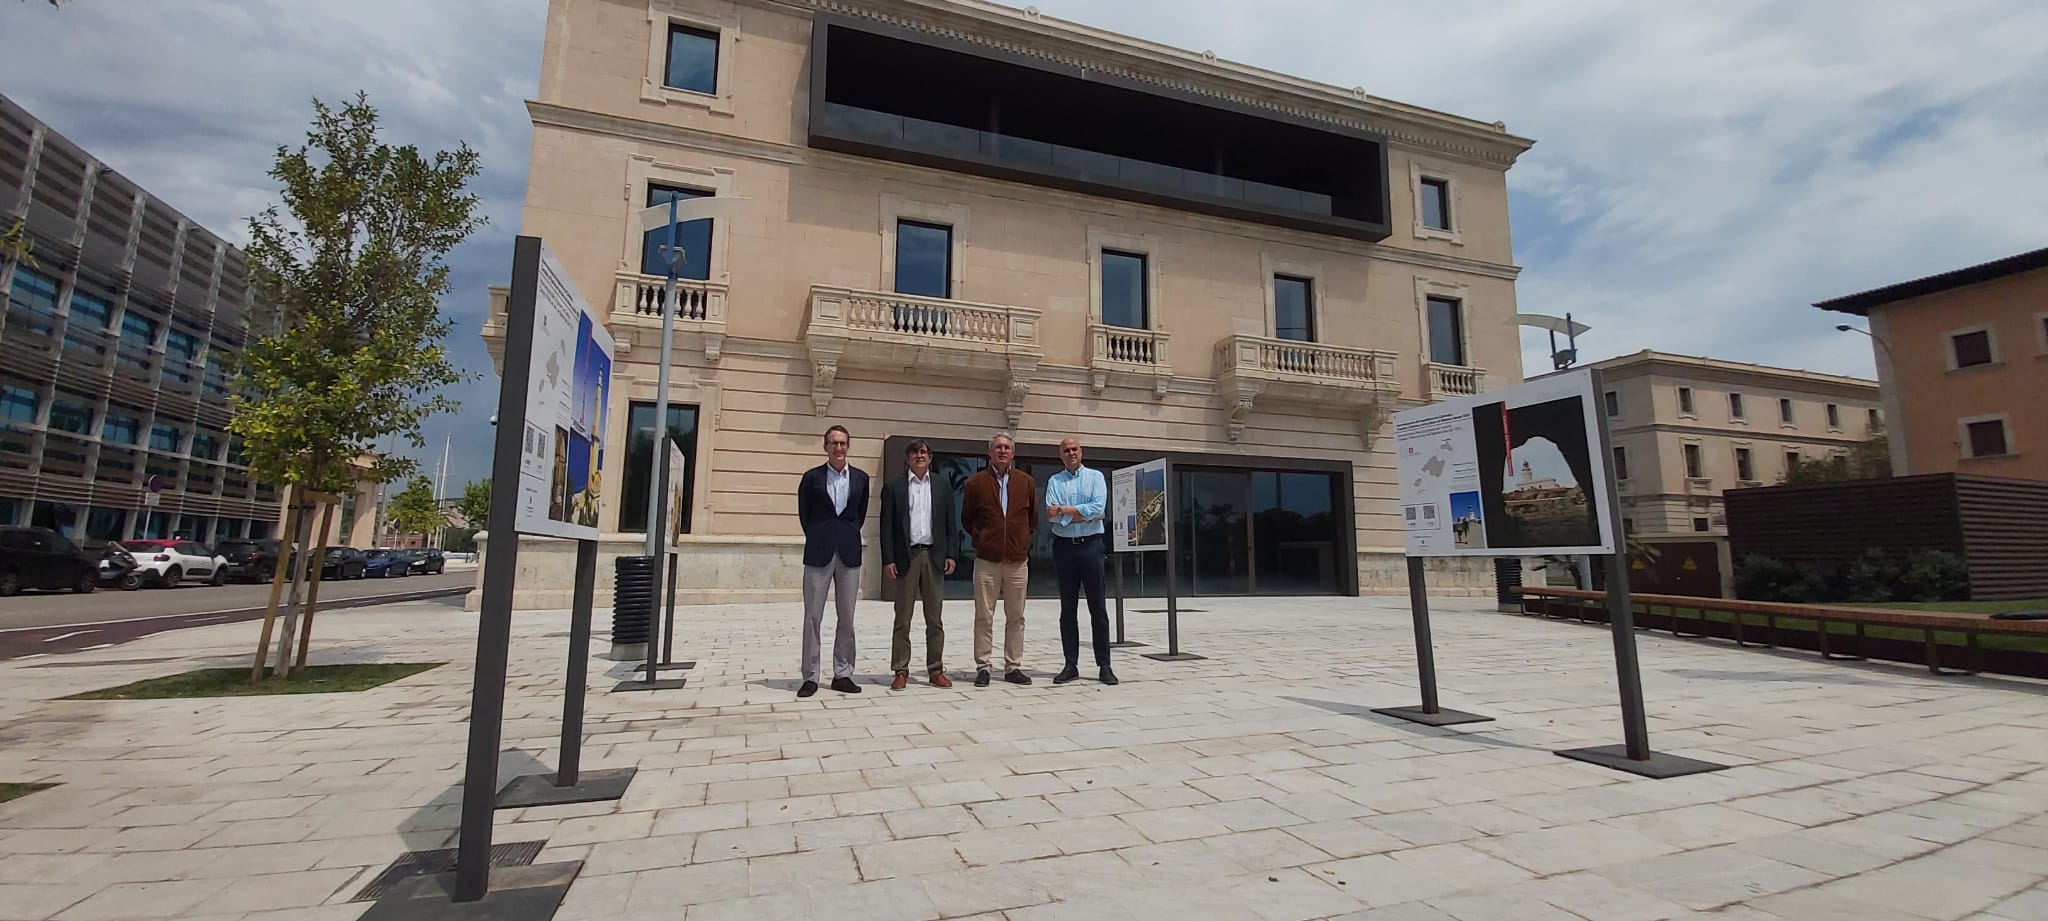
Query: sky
x,y
1702,172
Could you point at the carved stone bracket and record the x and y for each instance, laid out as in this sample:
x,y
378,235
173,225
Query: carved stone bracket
x,y
1022,369
1238,396
1370,420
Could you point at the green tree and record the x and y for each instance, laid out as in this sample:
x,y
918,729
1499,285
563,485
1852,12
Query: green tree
x,y
348,349
15,245
415,510
475,504
1868,459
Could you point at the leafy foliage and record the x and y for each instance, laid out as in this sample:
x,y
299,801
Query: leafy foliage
x,y
415,511
1869,459
1875,577
475,504
350,350
15,244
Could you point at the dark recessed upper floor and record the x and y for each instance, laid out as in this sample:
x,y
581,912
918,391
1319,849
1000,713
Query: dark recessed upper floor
x,y
930,101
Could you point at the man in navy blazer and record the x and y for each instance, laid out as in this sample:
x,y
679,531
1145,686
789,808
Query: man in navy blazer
x,y
831,502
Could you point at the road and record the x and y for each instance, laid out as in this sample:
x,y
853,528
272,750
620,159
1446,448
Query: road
x,y
41,623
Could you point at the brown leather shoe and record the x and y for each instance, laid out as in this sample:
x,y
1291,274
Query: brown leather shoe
x,y
939,680
902,681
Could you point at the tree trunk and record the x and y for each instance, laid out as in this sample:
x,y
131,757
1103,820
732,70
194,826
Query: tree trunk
x,y
284,556
311,563
312,596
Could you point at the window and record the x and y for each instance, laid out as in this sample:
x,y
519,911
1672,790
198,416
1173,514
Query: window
x,y
32,305
1446,333
18,404
692,237
1791,462
682,430
1693,465
1785,411
1293,309
121,429
1987,437
1735,407
1685,401
87,310
1124,298
1744,468
924,259
1834,417
1699,524
1628,526
1876,420
1436,203
1613,404
181,344
205,446
692,59
1968,350
166,438
105,523
72,413
1620,463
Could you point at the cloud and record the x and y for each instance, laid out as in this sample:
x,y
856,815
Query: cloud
x,y
1703,172
191,100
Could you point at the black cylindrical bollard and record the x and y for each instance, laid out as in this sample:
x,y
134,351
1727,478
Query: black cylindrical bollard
x,y
633,591
1507,576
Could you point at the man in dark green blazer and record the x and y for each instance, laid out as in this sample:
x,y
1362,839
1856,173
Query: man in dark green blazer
x,y
920,548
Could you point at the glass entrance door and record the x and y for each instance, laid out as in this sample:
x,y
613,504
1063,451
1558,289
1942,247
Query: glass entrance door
x,y
1212,538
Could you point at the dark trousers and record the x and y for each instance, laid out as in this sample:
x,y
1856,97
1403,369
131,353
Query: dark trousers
x,y
1080,567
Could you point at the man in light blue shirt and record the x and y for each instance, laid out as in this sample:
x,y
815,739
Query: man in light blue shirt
x,y
1075,501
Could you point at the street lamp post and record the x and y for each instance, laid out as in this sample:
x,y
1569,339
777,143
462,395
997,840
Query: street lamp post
x,y
1881,344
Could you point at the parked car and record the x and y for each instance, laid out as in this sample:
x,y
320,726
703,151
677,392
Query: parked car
x,y
429,560
42,558
169,562
250,560
344,563
385,564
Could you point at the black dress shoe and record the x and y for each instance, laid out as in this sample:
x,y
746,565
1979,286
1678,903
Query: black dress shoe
x,y
1017,676
1066,674
1108,677
809,688
845,686
981,678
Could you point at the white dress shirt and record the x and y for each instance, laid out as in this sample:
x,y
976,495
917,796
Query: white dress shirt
x,y
921,509
837,483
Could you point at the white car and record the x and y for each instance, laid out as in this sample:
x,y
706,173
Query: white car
x,y
169,562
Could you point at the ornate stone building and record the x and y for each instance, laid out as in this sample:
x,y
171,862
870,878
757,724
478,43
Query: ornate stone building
x,y
960,218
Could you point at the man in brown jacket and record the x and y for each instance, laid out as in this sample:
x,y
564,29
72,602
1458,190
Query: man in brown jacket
x,y
999,509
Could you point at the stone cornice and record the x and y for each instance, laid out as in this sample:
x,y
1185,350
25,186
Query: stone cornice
x,y
1689,368
1770,433
573,119
1026,33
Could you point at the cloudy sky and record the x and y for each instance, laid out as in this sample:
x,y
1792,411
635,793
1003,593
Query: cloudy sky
x,y
1702,172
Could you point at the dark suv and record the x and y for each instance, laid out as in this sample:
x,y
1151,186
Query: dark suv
x,y
249,560
343,563
42,558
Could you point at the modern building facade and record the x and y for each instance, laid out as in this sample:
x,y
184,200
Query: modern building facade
x,y
1962,358
961,218
1687,429
114,354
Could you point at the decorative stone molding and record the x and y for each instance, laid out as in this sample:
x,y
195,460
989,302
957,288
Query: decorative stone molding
x,y
1257,369
886,332
699,310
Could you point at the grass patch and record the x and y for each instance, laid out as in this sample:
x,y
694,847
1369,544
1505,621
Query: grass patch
x,y
234,682
1965,607
14,791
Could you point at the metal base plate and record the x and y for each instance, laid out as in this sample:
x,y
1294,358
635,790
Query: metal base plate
x,y
1125,644
1172,656
1658,765
668,666
627,652
530,893
1441,717
590,787
658,684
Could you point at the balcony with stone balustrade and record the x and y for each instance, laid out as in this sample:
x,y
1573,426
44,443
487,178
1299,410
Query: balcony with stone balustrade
x,y
845,328
1256,371
1136,357
1442,381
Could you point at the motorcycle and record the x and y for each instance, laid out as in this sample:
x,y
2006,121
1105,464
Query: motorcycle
x,y
118,567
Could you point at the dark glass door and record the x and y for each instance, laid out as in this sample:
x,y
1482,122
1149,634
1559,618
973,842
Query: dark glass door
x,y
1295,533
1213,536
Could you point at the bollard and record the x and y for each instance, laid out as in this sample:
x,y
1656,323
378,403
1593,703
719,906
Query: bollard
x,y
632,606
1507,576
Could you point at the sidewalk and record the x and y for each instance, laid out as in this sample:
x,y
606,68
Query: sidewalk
x,y
1253,784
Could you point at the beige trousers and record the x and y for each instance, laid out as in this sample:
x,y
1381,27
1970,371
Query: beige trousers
x,y
1004,580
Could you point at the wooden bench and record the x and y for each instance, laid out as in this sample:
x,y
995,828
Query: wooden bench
x,y
1928,623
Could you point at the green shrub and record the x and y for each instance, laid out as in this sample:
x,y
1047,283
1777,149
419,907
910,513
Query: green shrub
x,y
1934,575
1762,578
1873,578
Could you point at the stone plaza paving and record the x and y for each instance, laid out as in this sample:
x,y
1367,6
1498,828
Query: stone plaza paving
x,y
1254,784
